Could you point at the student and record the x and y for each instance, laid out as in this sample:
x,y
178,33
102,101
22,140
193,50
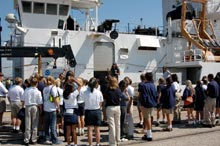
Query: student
x,y
140,114
200,97
32,101
3,92
148,102
81,108
113,97
93,99
168,102
51,107
160,87
189,92
210,103
71,111
177,109
123,106
129,115
14,96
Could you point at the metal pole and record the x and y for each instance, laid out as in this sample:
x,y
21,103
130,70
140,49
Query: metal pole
x,y
40,65
0,44
0,32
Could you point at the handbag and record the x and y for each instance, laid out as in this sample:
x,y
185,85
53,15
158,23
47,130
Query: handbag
x,y
51,98
188,100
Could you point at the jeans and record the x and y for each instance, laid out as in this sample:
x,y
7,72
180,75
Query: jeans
x,y
50,119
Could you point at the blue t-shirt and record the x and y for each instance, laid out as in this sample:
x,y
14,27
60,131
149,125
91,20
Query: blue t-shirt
x,y
168,97
213,89
113,97
149,95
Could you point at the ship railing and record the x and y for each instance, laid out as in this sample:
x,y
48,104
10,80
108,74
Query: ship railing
x,y
189,56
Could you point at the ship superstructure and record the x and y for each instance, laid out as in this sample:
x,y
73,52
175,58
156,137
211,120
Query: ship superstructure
x,y
96,46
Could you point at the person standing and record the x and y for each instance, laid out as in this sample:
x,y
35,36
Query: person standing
x,y
14,96
32,101
51,107
93,99
177,108
129,115
148,102
3,92
166,73
200,97
115,71
140,114
113,112
161,85
71,111
123,105
189,92
210,102
168,102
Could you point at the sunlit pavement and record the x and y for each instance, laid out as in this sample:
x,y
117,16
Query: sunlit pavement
x,y
182,135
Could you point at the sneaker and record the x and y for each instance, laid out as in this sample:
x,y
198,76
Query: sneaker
x,y
157,123
25,143
147,138
168,129
57,143
139,125
163,122
130,137
47,142
33,143
123,140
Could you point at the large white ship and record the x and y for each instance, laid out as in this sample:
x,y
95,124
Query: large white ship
x,y
188,44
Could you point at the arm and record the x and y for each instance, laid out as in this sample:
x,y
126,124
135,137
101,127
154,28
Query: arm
x,y
57,103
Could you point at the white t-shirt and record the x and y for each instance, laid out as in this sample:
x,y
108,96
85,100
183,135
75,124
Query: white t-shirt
x,y
92,99
71,102
50,106
32,96
15,93
3,90
130,91
83,88
60,91
176,86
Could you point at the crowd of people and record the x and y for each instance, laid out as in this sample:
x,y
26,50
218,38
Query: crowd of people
x,y
68,104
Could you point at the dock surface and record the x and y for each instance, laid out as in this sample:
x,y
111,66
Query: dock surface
x,y
182,135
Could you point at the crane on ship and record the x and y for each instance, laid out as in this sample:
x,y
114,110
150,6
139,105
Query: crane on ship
x,y
201,38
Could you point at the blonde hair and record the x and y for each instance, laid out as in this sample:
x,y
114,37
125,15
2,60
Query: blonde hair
x,y
18,80
58,83
113,83
189,85
80,80
50,80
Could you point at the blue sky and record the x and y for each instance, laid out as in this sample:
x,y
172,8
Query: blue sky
x,y
127,11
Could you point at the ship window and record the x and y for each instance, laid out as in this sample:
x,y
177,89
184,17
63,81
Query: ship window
x,y
26,7
52,9
63,10
147,48
39,8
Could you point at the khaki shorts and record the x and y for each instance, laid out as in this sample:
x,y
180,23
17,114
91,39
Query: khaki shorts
x,y
15,108
168,111
147,112
2,105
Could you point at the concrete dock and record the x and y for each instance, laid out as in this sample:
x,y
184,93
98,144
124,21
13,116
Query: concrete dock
x,y
182,135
